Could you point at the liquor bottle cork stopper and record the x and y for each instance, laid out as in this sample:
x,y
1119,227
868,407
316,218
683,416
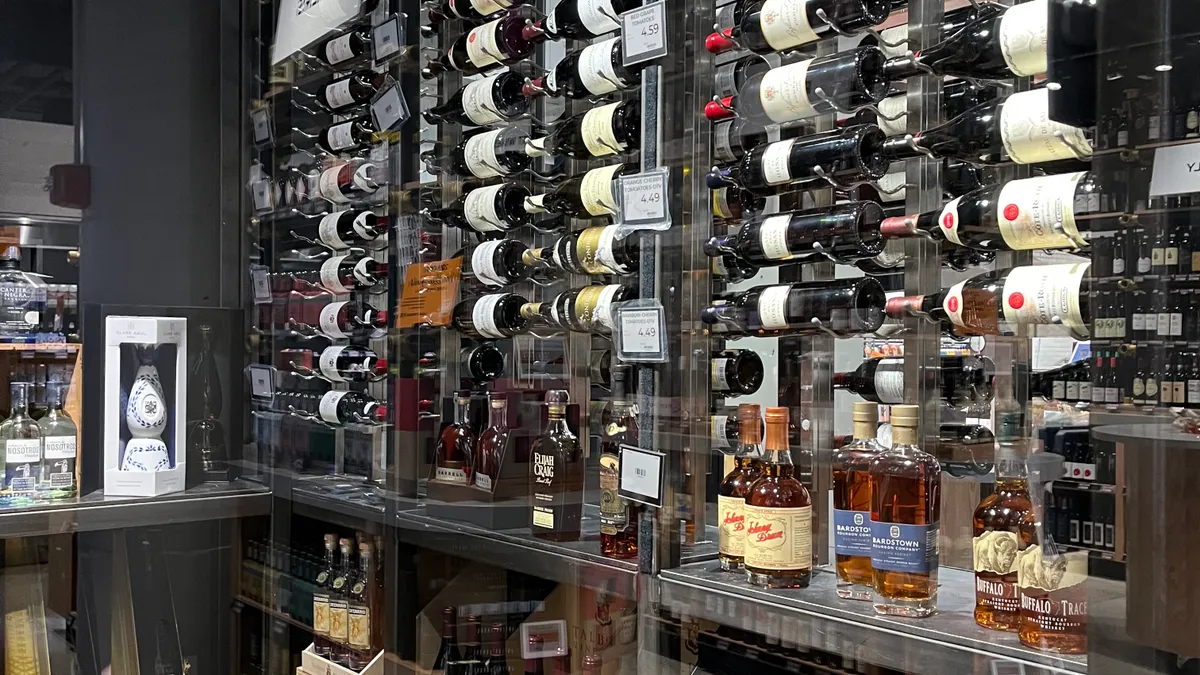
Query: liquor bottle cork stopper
x,y
462,396
866,411
497,401
906,416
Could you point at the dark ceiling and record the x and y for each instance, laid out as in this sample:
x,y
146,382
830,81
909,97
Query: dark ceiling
x,y
35,60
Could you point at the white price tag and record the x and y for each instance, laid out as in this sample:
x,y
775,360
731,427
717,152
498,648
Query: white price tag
x,y
260,193
643,201
640,331
386,39
262,382
641,475
644,34
389,108
260,284
260,121
1176,170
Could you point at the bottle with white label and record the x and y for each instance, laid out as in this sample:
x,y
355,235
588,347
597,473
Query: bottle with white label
x,y
22,439
347,137
487,209
59,435
611,129
474,11
344,47
355,89
497,263
848,155
593,250
844,307
341,363
587,195
483,154
490,317
595,70
766,26
491,100
966,381
354,227
350,407
497,43
731,494
583,310
349,272
344,183
585,19
736,372
848,232
1001,42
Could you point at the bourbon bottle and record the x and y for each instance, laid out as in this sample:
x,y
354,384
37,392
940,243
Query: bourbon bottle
x,y
321,594
453,457
1002,530
493,443
905,512
778,552
363,613
618,516
339,606
556,474
731,495
852,505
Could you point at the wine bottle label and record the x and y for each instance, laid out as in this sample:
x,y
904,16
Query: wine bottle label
x,y
1098,394
1023,38
605,250
328,234
722,145
339,49
1058,390
1176,320
341,136
783,93
598,134
330,278
489,7
452,475
603,311
479,153
1193,391
901,547
772,235
891,107
479,208
22,450
596,191
327,321
327,408
785,24
1143,264
59,447
1139,387
1036,294
327,364
482,49
586,251
1112,394
775,162
778,538
596,69
851,532
1171,255
331,181
359,626
1085,390
483,481
772,307
731,538
1150,322
595,16
892,187
720,203
718,374
1163,324
718,425
1157,256
1180,392
614,511
1072,391
1028,211
361,275
725,79
1151,387
321,612
1028,133
478,102
484,266
889,381
483,315
338,95
1118,263
1166,392
950,221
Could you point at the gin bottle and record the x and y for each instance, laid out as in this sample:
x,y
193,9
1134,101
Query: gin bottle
x,y
22,443
58,442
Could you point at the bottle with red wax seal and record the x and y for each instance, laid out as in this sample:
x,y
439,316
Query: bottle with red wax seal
x,y
769,26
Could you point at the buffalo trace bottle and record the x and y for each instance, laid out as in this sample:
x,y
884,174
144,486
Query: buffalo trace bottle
x,y
778,551
618,517
731,495
852,505
556,475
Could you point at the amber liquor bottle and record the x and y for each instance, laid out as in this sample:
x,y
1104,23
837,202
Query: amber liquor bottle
x,y
778,551
339,606
731,494
323,588
556,473
456,446
618,516
1002,530
905,512
493,443
852,505
363,612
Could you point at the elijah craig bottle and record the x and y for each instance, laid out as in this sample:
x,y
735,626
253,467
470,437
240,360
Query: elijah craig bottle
x,y
556,473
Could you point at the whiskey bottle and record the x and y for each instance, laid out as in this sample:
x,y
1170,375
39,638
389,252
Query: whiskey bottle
x,y
905,510
448,652
339,607
363,612
1002,530
731,494
618,516
1054,598
556,476
493,443
323,589
852,505
778,552
456,445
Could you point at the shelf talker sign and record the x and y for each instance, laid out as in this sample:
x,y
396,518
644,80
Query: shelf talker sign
x,y
303,22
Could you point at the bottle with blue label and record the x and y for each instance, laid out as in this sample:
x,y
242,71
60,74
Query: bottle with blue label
x,y
852,505
905,513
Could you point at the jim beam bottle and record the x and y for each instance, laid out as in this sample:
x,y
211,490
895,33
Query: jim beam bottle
x,y
556,475
1002,530
906,508
778,552
731,495
852,505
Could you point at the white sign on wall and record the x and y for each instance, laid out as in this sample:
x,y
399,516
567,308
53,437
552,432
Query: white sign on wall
x,y
303,22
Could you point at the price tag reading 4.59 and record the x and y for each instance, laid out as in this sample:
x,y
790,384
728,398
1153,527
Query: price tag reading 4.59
x,y
644,201
644,34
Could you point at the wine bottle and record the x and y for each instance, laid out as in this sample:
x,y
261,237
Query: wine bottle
x,y
474,11
595,70
482,363
766,26
1001,42
952,21
345,47
347,137
966,381
583,310
347,318
585,19
499,98
847,231
736,372
999,302
820,86
958,96
602,131
349,407
493,208
1020,215
1018,128
732,139
844,307
493,316
355,89
595,250
344,229
588,195
348,272
845,155
485,154
344,183
498,263
732,203
345,363
496,43
731,77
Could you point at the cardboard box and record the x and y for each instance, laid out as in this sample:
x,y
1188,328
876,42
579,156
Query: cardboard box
x,y
310,662
145,405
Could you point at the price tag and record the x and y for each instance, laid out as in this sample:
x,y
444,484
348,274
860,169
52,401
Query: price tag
x,y
263,131
386,39
389,107
642,201
554,638
260,285
641,325
644,34
1176,170
641,475
262,382
260,194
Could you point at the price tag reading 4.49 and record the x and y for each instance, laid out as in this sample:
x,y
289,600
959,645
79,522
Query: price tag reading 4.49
x,y
641,325
644,201
644,34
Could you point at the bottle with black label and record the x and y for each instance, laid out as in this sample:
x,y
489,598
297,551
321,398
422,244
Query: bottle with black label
x,y
491,100
848,155
344,363
488,209
766,26
497,43
736,372
484,154
611,129
587,195
556,476
595,70
493,316
349,407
